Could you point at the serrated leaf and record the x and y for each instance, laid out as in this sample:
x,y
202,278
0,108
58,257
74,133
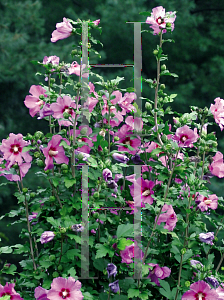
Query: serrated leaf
x,y
5,249
133,293
123,243
69,182
54,222
125,230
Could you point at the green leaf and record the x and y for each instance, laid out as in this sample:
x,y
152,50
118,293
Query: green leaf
x,y
6,297
125,230
92,162
54,222
69,182
65,145
103,250
55,181
100,264
123,243
165,290
133,293
145,295
73,253
166,72
27,148
5,249
11,270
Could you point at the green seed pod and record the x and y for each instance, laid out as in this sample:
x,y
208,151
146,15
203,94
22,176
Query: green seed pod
x,y
96,195
52,257
52,198
163,67
64,167
148,106
38,135
55,274
40,163
60,268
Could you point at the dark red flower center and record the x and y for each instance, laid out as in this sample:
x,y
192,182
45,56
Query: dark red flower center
x,y
160,21
127,141
67,109
200,296
183,138
64,293
172,216
52,151
5,294
15,149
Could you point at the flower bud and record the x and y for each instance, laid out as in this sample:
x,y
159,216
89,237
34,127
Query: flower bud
x,y
96,215
38,135
183,251
64,167
52,198
84,130
74,52
62,230
144,176
55,274
52,80
162,86
148,106
32,195
80,156
187,283
25,190
37,154
96,195
41,97
40,163
116,138
155,52
60,268
52,257
78,84
163,67
105,150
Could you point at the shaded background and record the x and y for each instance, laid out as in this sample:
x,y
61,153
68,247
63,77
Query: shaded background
x,y
25,31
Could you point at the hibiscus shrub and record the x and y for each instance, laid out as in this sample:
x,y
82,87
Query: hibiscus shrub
x,y
127,212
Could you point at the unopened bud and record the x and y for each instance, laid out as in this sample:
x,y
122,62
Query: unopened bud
x,y
116,138
25,190
162,86
163,67
155,52
148,106
38,135
187,283
183,251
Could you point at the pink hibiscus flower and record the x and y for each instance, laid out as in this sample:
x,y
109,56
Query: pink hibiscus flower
x,y
125,103
161,20
186,136
96,22
33,101
53,150
62,288
117,114
124,133
12,149
40,293
200,290
130,252
8,289
217,110
217,166
158,272
64,105
91,101
75,69
169,217
54,60
134,123
64,30
142,193
204,203
46,237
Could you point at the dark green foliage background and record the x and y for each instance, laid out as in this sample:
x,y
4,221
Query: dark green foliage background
x,y
25,31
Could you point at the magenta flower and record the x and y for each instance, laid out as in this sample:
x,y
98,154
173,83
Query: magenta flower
x,y
53,150
124,133
207,237
217,110
125,103
220,292
158,272
91,101
12,150
54,60
204,203
8,289
142,193
217,166
200,290
45,111
64,105
169,217
130,252
96,22
46,237
75,69
33,101
135,124
32,217
40,293
120,157
80,138
186,136
118,118
64,30
161,20
62,288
